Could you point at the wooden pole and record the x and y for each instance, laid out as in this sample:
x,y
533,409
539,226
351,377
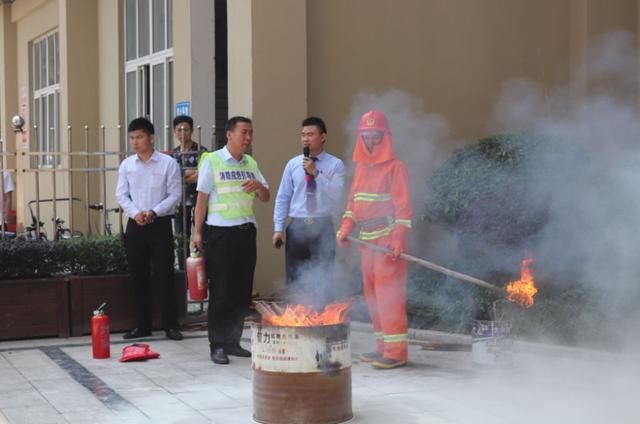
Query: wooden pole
x,y
431,266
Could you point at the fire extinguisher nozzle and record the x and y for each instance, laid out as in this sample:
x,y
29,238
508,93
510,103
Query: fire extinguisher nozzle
x,y
101,308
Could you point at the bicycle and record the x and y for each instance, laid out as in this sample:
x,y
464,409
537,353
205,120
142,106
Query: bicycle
x,y
61,233
107,222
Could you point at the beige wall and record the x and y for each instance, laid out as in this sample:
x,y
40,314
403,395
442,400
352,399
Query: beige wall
x,y
240,57
193,53
110,74
8,88
268,82
79,88
452,55
32,18
292,58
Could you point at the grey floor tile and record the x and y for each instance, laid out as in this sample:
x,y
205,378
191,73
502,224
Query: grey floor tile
x,y
43,414
210,399
49,372
67,396
127,380
241,415
4,362
11,378
21,397
105,416
170,411
28,359
243,394
180,384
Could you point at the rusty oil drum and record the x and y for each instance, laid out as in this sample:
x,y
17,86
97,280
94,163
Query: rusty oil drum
x,y
301,374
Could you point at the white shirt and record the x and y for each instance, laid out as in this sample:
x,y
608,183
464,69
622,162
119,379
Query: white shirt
x,y
207,186
151,185
291,197
8,188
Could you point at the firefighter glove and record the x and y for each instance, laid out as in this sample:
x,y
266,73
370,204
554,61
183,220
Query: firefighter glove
x,y
343,232
396,247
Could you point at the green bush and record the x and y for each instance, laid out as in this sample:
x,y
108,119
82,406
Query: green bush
x,y
489,192
30,259
494,196
40,258
95,255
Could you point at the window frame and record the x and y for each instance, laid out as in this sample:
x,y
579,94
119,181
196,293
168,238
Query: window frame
x,y
48,94
144,70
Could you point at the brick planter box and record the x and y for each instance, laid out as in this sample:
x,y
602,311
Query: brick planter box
x,y
88,292
34,308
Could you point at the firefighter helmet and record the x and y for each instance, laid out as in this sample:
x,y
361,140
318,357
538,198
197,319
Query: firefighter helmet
x,y
373,120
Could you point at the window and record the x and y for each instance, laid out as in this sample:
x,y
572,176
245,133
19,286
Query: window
x,y
149,64
46,99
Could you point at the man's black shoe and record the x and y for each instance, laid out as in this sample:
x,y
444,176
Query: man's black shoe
x,y
237,350
173,334
136,333
219,357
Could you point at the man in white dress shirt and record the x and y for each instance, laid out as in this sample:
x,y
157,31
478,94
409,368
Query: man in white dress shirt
x,y
149,191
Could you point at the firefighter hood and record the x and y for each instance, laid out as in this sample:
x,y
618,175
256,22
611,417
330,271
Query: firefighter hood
x,y
372,121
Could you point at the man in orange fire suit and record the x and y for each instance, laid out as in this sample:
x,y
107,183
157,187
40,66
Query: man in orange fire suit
x,y
379,205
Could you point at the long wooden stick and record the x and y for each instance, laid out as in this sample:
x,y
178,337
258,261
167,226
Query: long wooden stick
x,y
264,309
431,265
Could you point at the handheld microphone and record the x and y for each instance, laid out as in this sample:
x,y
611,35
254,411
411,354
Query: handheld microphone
x,y
306,153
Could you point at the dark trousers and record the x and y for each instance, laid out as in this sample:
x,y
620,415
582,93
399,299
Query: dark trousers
x,y
178,224
150,252
231,254
310,254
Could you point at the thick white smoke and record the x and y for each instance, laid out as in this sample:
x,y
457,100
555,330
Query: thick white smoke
x,y
591,237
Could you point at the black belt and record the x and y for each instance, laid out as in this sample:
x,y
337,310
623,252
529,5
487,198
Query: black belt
x,y
312,220
157,219
163,218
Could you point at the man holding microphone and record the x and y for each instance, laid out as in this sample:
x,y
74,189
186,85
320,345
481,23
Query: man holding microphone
x,y
309,192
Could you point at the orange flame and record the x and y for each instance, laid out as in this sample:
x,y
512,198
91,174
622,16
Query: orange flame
x,y
523,290
301,316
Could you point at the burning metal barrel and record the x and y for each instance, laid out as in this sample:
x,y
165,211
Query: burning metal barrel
x,y
301,374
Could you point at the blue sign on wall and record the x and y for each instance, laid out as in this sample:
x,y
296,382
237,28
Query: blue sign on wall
x,y
183,108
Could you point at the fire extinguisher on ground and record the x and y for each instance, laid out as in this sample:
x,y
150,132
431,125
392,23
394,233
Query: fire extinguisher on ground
x,y
100,329
196,276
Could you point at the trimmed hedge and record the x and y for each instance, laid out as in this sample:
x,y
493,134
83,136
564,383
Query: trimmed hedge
x,y
95,255
40,258
30,259
494,196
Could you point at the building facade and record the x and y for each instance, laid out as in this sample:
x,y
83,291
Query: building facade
x,y
78,70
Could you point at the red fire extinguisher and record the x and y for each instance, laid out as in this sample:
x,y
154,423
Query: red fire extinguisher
x,y
100,333
196,276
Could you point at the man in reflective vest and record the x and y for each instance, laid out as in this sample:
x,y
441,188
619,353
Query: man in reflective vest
x,y
228,182
379,205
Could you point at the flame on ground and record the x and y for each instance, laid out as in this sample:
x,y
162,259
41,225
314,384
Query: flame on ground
x,y
523,290
301,316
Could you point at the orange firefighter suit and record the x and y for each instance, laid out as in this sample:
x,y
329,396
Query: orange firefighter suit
x,y
379,206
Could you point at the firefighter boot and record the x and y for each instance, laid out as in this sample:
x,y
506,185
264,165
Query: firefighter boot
x,y
388,363
370,356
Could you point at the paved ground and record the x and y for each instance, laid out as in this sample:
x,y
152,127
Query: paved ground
x,y
57,381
